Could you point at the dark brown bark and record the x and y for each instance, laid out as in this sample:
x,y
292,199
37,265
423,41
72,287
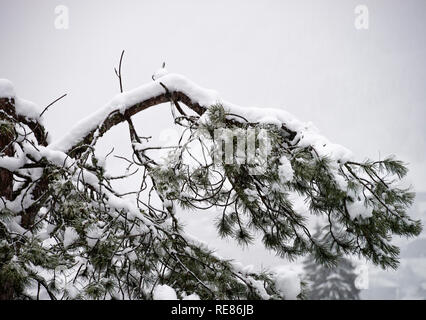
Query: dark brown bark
x,y
117,117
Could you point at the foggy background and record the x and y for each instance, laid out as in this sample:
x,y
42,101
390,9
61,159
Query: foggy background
x,y
364,89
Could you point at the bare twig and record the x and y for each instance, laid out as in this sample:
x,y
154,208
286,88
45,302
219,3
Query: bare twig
x,y
50,104
118,74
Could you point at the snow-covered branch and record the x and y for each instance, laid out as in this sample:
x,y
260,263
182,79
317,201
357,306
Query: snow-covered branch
x,y
177,88
59,208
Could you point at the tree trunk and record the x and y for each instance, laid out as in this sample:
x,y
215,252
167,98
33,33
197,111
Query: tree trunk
x,y
7,134
6,148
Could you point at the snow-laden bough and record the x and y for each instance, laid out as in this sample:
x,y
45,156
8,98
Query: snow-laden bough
x,y
67,233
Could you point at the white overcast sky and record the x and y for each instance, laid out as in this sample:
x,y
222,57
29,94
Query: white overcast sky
x,y
364,89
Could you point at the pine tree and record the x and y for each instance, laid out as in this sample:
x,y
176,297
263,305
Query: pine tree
x,y
67,233
330,282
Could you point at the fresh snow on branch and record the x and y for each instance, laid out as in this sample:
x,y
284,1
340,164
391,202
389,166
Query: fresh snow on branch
x,y
307,133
